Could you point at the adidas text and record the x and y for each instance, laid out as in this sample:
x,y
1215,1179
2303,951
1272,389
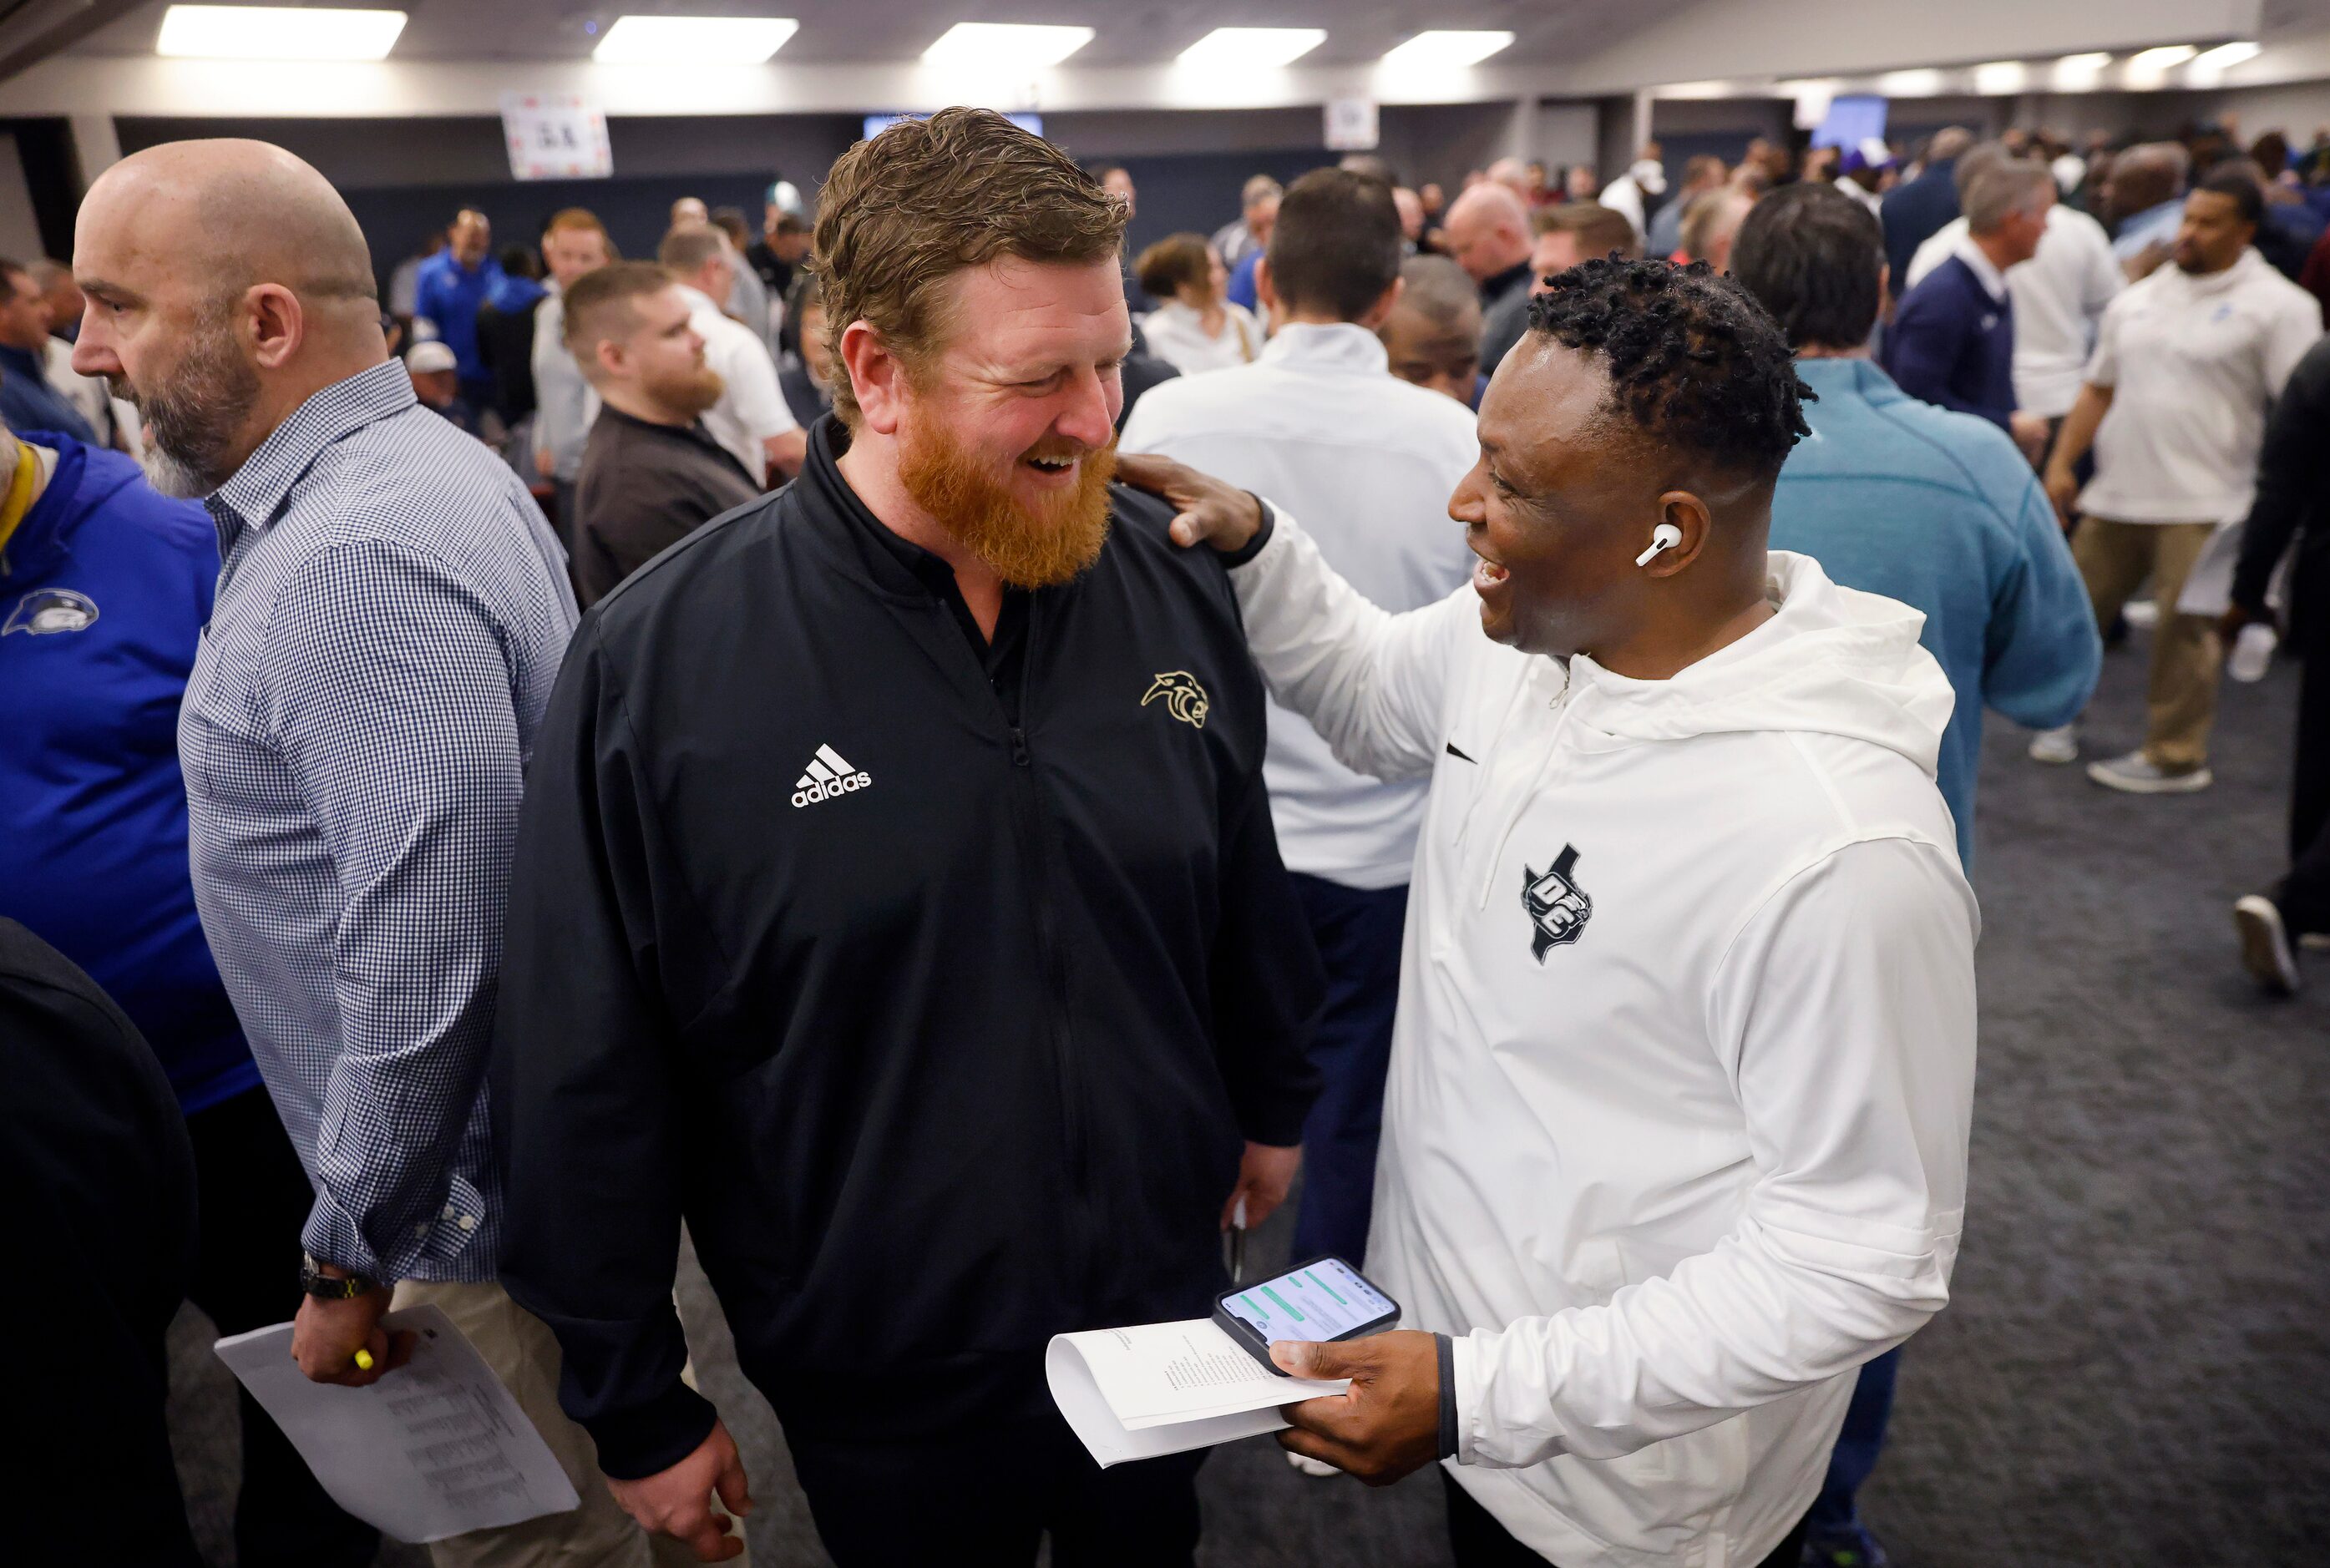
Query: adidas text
x,y
827,777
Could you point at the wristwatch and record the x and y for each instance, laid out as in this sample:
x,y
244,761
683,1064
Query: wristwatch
x,y
326,1288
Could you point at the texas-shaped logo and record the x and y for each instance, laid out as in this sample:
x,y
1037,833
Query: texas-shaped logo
x,y
1558,907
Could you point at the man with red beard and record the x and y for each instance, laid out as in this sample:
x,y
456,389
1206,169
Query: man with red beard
x,y
651,473
897,904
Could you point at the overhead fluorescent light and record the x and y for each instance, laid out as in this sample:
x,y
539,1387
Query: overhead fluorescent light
x,y
2084,64
1922,82
2000,76
694,40
1252,48
1004,44
277,33
1444,49
2150,60
2226,54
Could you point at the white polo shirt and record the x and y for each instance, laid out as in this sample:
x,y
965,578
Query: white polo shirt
x,y
753,407
2059,295
1319,424
2194,364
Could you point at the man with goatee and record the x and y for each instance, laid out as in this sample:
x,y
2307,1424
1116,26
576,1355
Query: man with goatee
x,y
896,904
651,473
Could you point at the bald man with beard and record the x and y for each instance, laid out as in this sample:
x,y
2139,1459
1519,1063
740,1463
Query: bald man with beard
x,y
391,613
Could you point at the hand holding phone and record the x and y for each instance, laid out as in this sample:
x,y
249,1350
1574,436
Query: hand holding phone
x,y
1323,1299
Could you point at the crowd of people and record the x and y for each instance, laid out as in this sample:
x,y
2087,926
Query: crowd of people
x,y
1143,726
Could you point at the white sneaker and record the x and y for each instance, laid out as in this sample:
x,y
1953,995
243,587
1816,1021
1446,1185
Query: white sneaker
x,y
2055,746
2265,945
2144,614
1308,1466
2136,774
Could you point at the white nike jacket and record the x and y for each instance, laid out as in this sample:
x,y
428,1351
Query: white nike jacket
x,y
1675,1137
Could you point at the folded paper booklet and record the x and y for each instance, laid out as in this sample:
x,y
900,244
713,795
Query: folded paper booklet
x,y
1163,1388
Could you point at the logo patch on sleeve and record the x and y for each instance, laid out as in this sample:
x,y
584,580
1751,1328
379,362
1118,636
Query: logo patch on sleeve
x,y
1558,907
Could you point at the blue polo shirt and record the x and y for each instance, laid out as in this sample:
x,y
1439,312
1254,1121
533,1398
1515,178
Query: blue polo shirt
x,y
449,294
104,590
1940,511
1952,343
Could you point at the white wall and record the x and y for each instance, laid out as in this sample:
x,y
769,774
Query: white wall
x,y
20,232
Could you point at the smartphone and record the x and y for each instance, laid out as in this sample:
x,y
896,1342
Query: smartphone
x,y
1324,1298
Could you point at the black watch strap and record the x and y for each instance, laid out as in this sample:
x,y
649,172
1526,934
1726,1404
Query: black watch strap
x,y
324,1286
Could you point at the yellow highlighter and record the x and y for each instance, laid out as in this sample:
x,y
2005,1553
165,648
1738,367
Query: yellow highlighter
x,y
364,1360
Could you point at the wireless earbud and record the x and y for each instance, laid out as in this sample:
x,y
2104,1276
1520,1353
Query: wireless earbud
x,y
1665,536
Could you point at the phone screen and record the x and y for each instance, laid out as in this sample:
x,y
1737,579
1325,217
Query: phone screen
x,y
1317,1301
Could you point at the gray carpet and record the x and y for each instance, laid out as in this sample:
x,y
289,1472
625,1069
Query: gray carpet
x,y
2135,1369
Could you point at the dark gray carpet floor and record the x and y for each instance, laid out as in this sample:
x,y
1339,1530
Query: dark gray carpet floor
x,y
2135,1368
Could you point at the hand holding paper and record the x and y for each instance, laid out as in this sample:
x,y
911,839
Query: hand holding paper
x,y
1163,1388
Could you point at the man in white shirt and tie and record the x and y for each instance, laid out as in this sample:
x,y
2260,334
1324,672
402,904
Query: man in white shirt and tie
x,y
1321,425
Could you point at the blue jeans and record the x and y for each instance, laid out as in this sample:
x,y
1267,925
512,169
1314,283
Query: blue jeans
x,y
1358,933
1856,1454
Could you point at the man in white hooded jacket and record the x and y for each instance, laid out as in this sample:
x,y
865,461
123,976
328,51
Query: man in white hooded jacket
x,y
1676,1130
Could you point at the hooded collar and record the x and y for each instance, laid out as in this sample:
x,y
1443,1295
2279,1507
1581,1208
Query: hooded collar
x,y
1832,660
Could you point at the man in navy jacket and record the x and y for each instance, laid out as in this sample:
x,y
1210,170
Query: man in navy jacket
x,y
105,587
1916,209
1951,341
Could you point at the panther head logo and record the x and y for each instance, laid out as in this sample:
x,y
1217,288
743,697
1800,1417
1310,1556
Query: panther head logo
x,y
1185,699
47,611
1558,907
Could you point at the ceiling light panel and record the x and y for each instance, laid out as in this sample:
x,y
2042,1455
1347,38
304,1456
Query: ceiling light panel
x,y
277,33
694,40
2226,54
1006,44
2162,57
1252,48
1443,49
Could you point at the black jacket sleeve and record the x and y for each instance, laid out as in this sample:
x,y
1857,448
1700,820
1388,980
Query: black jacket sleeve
x,y
585,1105
2292,475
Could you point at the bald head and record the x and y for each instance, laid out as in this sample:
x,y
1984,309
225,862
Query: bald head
x,y
1488,231
234,285
228,214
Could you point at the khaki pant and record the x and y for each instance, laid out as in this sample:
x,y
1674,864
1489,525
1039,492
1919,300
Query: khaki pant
x,y
524,1354
2180,701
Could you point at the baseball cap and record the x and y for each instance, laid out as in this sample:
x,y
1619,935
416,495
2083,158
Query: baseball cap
x,y
426,358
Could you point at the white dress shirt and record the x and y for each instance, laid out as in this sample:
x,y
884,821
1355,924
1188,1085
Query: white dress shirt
x,y
2059,295
753,407
1319,424
564,403
1177,335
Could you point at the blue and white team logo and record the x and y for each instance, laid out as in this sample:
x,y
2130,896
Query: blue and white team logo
x,y
1558,907
48,610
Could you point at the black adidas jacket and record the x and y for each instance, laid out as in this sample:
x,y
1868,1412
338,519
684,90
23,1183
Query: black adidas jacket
x,y
934,1066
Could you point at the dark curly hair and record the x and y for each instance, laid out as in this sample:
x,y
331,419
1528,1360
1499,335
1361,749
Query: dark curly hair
x,y
1693,360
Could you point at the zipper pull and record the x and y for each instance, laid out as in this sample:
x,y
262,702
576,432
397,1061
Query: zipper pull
x,y
1018,747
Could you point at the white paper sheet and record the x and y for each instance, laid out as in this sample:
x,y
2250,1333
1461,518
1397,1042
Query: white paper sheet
x,y
437,1447
1164,1388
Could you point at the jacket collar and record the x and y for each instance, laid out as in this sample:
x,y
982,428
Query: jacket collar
x,y
896,564
1985,272
255,493
1341,347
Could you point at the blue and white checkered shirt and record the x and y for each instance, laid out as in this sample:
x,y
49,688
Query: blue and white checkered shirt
x,y
392,610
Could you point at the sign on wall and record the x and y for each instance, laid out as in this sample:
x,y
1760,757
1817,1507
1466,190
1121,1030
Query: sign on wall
x,y
1351,124
556,136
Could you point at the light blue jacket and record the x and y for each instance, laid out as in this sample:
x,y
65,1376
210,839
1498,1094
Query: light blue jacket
x,y
1940,511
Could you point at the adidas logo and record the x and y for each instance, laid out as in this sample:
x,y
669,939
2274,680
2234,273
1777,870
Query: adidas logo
x,y
828,776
